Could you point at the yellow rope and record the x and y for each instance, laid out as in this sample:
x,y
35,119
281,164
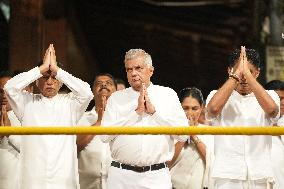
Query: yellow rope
x,y
142,130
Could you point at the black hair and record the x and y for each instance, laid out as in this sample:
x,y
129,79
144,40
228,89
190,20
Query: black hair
x,y
274,85
108,75
6,73
252,56
191,92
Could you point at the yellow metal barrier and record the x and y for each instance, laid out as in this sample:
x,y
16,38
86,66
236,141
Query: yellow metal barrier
x,y
142,130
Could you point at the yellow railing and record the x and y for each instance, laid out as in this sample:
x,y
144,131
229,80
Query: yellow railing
x,y
142,130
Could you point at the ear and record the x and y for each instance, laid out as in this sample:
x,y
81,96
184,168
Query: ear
x,y
151,70
257,73
229,69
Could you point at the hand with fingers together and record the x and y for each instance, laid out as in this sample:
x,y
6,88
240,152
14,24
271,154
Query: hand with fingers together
x,y
193,121
149,107
53,64
246,70
141,101
49,61
100,107
237,71
46,61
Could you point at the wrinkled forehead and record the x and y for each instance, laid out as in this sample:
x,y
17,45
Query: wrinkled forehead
x,y
138,60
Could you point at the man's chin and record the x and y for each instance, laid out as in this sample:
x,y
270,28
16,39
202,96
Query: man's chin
x,y
49,95
136,86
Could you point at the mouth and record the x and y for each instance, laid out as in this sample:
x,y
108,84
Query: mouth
x,y
49,89
136,80
104,89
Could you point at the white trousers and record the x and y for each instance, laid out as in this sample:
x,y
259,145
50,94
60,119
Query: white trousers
x,y
125,179
241,184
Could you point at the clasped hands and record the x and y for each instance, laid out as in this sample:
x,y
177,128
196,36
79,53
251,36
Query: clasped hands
x,y
144,103
241,69
49,61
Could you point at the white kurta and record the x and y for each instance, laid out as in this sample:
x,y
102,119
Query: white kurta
x,y
189,170
94,161
9,157
142,150
243,157
277,156
48,161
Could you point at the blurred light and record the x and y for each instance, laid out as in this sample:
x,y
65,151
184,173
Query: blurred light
x,y
5,8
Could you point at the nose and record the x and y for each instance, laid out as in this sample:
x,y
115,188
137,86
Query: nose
x,y
243,79
104,84
134,72
188,113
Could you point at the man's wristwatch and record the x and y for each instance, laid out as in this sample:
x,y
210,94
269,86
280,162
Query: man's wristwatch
x,y
235,77
195,140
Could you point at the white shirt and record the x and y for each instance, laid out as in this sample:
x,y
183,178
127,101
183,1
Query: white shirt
x,y
277,157
48,161
243,157
94,161
143,150
189,170
9,157
280,123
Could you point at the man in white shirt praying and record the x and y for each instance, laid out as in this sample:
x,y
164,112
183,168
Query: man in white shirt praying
x,y
48,161
94,155
242,162
139,160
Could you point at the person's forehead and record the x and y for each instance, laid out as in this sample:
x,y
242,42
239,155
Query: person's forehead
x,y
280,93
190,101
136,61
103,78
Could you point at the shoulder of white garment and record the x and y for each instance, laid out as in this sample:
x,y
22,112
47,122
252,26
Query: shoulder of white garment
x,y
273,95
165,91
123,94
209,97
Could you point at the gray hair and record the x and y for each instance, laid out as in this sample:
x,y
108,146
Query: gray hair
x,y
133,53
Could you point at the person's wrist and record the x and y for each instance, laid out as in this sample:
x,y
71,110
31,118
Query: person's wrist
x,y
55,69
234,76
195,140
139,111
43,69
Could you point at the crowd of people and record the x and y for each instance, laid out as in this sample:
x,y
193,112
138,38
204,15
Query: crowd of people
x,y
140,161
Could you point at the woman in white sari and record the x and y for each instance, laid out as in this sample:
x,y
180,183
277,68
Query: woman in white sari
x,y
191,162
